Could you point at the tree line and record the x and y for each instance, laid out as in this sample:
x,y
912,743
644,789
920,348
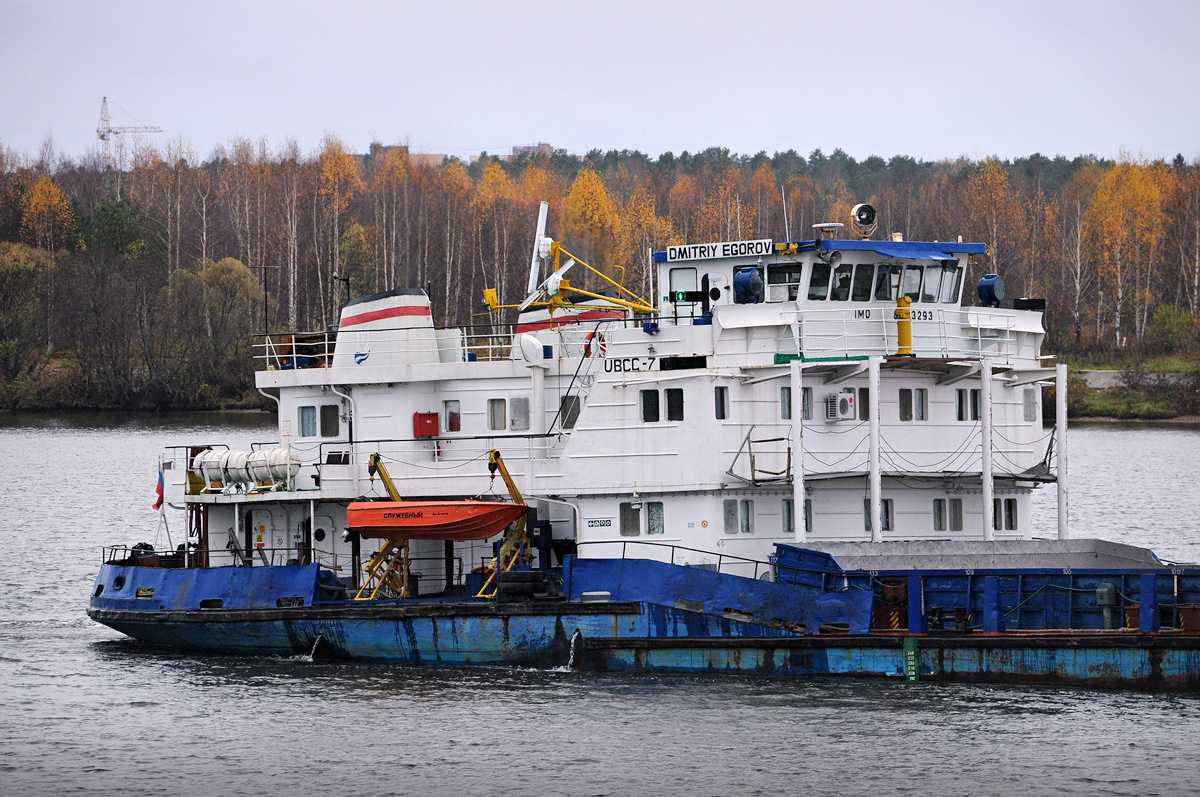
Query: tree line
x,y
139,277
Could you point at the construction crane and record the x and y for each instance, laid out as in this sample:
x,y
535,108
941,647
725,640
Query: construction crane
x,y
105,130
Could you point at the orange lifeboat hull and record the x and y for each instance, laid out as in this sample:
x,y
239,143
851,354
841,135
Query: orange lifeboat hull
x,y
431,520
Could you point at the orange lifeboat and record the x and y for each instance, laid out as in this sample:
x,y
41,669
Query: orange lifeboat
x,y
431,520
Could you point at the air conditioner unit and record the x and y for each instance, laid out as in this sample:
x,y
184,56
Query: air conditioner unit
x,y
840,406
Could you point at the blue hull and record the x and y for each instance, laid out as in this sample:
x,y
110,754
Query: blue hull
x,y
659,618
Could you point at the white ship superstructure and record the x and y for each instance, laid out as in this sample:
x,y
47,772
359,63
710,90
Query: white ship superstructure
x,y
769,396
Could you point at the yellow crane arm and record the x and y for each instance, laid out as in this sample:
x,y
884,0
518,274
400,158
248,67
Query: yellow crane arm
x,y
375,465
496,463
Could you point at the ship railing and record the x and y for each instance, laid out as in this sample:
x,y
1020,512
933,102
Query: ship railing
x,y
685,556
936,332
342,565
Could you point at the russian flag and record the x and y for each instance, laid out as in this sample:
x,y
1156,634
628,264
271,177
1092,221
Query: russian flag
x,y
159,491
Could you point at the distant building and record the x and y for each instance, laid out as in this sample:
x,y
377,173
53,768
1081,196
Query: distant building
x,y
533,150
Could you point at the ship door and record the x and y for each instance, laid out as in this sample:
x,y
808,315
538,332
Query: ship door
x,y
265,536
716,288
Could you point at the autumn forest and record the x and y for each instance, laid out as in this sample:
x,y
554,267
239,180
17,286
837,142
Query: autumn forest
x,y
135,278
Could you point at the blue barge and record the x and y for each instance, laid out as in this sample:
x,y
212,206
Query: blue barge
x,y
1030,625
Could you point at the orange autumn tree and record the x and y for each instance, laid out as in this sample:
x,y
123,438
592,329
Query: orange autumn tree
x,y
47,221
1126,221
339,181
642,230
590,218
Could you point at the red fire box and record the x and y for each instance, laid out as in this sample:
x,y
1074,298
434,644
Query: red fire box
x,y
425,424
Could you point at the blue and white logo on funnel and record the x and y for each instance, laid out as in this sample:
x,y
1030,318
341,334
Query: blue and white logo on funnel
x,y
363,350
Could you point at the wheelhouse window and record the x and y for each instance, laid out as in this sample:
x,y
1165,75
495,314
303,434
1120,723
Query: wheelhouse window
x,y
497,415
789,516
864,404
1029,399
452,413
682,279
818,282
939,514
933,283
808,515
911,286
785,403
950,277
806,403
887,282
860,290
840,290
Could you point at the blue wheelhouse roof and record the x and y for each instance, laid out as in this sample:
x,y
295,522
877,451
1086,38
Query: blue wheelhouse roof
x,y
918,250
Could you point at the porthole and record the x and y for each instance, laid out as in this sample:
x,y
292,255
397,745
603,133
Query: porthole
x,y
212,603
319,535
118,582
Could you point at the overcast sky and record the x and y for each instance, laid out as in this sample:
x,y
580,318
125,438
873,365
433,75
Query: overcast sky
x,y
928,79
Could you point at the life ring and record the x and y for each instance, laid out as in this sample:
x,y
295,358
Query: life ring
x,y
601,344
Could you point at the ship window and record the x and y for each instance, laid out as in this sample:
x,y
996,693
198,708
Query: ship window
x,y
933,282
789,516
920,404
939,514
950,284
650,406
453,415
683,279
806,403
906,404
654,518
808,515
631,519
1004,514
730,507
911,287
785,403
1030,399
860,291
887,282
864,404
746,516
885,514
329,420
308,421
720,402
956,515
840,291
518,414
497,417
568,410
674,404
967,404
818,283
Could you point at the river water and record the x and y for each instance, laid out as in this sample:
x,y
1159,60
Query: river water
x,y
84,710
